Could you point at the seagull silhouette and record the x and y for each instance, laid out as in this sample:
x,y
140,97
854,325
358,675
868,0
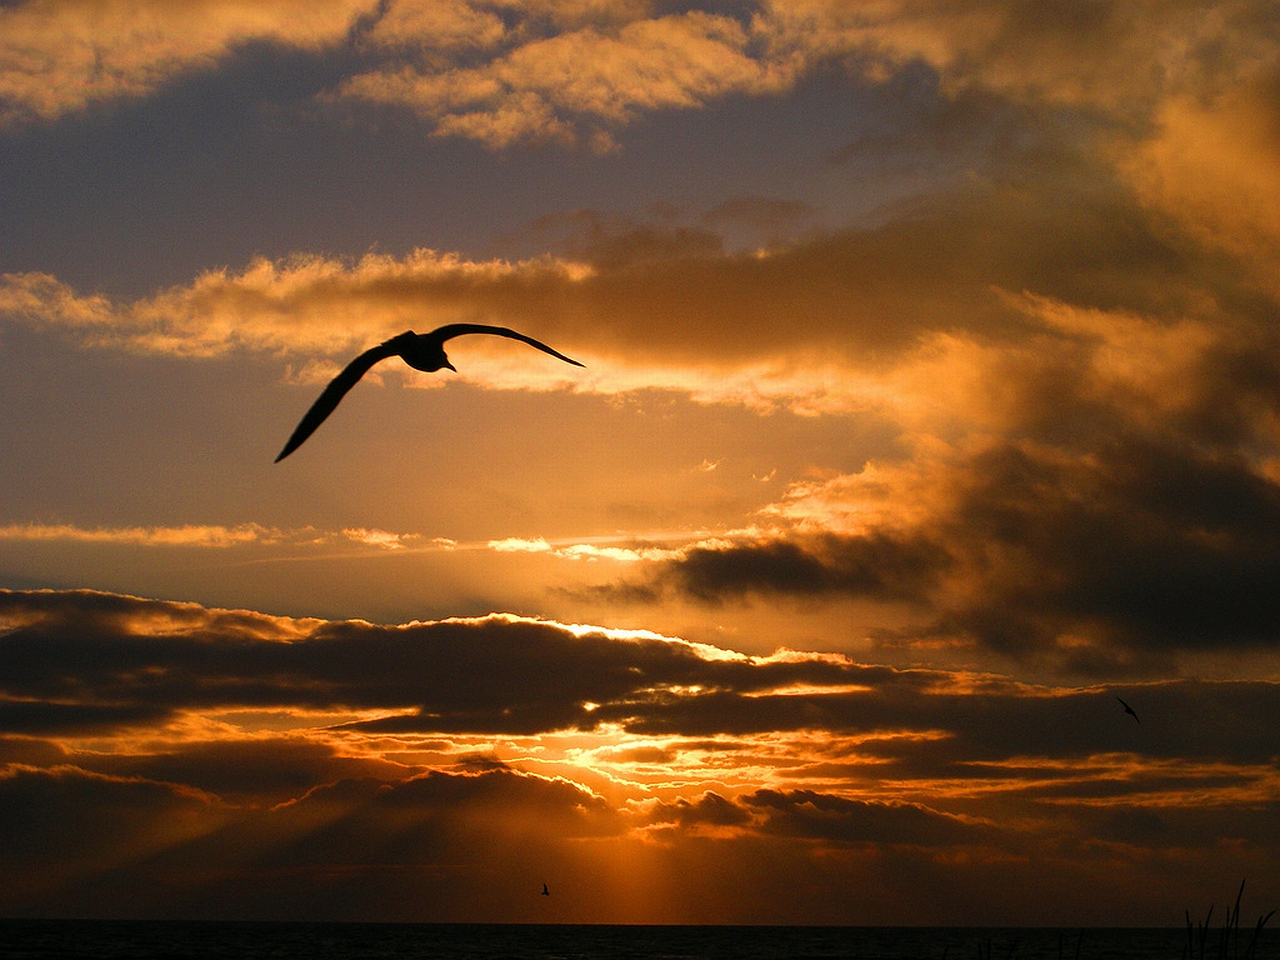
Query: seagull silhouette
x,y
422,351
1129,710
545,891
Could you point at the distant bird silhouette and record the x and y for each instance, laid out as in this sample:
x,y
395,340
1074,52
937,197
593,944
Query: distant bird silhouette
x,y
422,351
1129,710
545,891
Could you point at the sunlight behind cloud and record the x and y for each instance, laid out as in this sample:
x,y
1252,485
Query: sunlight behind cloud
x,y
930,418
317,304
680,746
304,302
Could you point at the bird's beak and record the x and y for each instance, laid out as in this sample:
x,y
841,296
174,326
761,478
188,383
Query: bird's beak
x,y
451,366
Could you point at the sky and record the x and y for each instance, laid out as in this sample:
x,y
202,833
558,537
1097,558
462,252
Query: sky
x,y
930,407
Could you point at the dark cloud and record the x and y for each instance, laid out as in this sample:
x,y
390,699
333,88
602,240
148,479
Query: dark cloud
x,y
710,809
654,755
814,816
618,243
125,661
30,751
45,718
1151,546
260,772
932,266
75,843
916,770
64,821
666,292
1081,539
503,675
879,567
957,730
444,807
811,815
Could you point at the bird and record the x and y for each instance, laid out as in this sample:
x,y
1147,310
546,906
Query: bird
x,y
545,891
422,351
1129,710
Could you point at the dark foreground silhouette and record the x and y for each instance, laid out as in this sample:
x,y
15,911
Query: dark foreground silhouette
x,y
422,351
1128,709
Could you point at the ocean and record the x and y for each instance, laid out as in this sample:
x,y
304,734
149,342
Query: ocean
x,y
65,939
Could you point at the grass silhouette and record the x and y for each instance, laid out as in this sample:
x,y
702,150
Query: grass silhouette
x,y
1228,937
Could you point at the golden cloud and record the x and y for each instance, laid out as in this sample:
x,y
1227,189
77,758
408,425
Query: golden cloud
x,y
304,303
184,536
1120,56
211,536
309,304
1212,165
562,69
505,73
539,88
57,56
437,25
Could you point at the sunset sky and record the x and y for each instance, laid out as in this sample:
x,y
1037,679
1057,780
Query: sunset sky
x,y
931,402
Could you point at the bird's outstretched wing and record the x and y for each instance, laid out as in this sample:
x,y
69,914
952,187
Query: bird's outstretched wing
x,y
451,330
407,345
334,392
1128,709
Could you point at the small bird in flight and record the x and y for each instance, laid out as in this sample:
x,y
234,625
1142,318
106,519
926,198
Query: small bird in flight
x,y
1128,709
545,891
422,351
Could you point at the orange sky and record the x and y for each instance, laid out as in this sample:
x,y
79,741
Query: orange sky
x,y
931,401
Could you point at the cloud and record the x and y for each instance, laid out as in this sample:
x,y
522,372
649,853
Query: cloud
x,y
873,299
803,813
248,771
1208,164
1077,353
1099,492
269,767
341,843
387,540
479,670
869,567
1107,560
1081,384
814,816
535,86
519,545
1073,349
632,553
185,536
212,536
115,818
59,56
282,306
569,72
70,653
1118,56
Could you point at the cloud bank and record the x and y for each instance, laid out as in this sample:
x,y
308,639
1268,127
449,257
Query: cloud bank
x,y
506,73
229,763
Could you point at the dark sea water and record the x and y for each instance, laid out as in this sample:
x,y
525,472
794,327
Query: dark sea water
x,y
347,941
